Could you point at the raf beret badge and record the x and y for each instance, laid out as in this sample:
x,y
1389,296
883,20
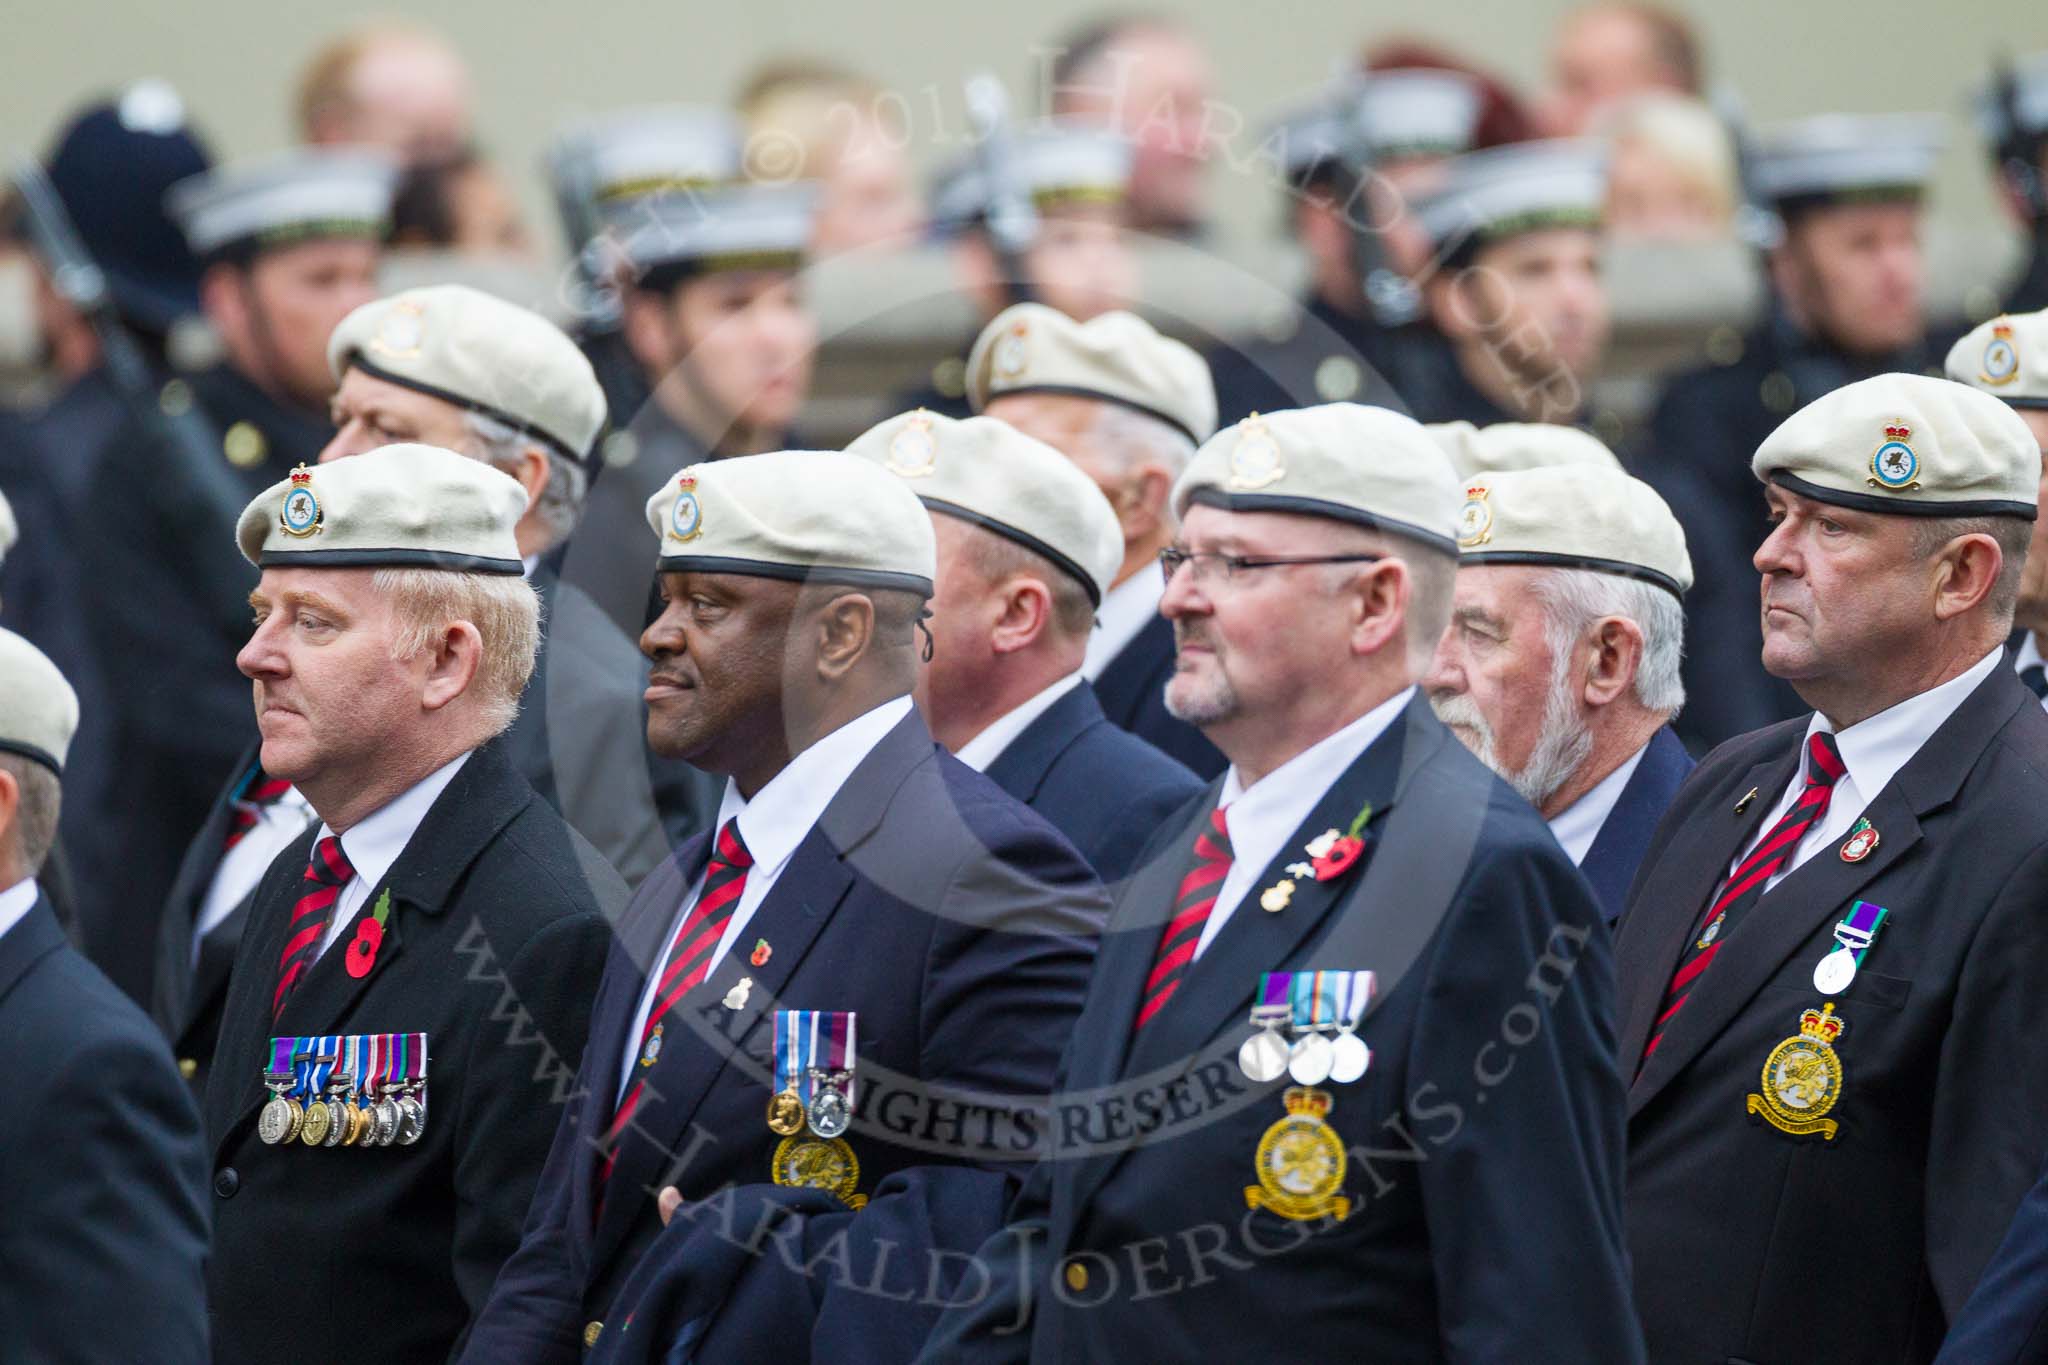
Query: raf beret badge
x,y
686,518
402,332
1255,459
2001,364
912,452
1011,359
1894,465
1475,518
301,514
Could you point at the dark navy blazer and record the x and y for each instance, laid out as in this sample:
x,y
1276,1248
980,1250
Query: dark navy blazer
x,y
958,925
1133,694
1104,788
1610,864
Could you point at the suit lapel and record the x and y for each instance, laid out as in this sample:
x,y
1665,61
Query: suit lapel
x,y
1022,766
1617,850
176,984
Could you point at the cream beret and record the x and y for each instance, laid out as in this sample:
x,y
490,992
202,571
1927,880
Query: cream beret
x,y
1370,466
402,506
805,515
468,348
38,709
993,475
1518,445
1581,516
2006,357
1116,357
1904,443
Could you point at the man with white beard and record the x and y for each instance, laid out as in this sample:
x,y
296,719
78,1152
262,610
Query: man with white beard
x,y
1560,666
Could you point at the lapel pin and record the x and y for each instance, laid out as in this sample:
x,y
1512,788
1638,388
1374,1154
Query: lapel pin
x,y
1860,842
1276,896
762,952
1743,804
736,998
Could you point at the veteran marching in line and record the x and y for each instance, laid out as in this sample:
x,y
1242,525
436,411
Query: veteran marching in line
x,y
1326,845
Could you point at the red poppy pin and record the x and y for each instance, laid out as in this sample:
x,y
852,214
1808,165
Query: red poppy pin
x,y
761,953
362,949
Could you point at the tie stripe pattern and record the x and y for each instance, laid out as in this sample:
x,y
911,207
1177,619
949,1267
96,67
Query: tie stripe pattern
x,y
1745,886
1191,908
246,810
329,872
688,963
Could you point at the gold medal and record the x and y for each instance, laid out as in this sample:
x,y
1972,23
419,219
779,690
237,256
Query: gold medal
x,y
818,1164
1300,1162
1802,1078
313,1130
786,1113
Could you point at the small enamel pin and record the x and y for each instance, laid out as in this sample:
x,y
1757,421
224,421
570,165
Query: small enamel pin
x,y
1862,839
762,952
1743,804
736,998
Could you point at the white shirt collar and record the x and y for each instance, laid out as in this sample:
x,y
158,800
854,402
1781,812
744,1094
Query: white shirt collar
x,y
16,901
373,844
1579,824
1126,609
783,811
1000,733
1875,748
527,564
1260,817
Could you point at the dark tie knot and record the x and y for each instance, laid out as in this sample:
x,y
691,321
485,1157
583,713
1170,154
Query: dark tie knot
x,y
730,849
1213,843
1824,766
330,866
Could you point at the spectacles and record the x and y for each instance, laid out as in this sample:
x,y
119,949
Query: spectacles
x,y
1207,565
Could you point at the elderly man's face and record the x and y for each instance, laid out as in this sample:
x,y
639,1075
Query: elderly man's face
x,y
714,695
330,698
1842,592
1501,685
369,412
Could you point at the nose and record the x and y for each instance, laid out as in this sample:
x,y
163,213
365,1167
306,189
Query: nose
x,y
663,636
1776,554
348,439
1183,596
262,657
1446,676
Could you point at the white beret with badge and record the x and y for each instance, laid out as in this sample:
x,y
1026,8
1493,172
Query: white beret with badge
x,y
477,351
819,516
1373,467
737,227
308,194
1583,516
1518,445
1117,357
2006,357
398,506
38,709
1910,445
1502,192
990,474
1848,158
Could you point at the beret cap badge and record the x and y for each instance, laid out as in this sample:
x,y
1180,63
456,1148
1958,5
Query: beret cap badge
x,y
1475,518
1894,465
913,451
300,515
1011,359
1255,459
2001,357
402,332
686,518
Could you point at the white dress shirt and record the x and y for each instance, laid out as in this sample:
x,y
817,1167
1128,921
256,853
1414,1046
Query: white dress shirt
x,y
1873,750
986,747
1126,609
242,866
771,826
373,844
1261,817
2030,656
1579,824
16,901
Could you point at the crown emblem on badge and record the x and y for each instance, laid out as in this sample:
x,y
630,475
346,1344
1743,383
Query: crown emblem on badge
x,y
1475,518
1307,1101
1821,1025
1894,465
2002,330
913,453
1897,433
1255,459
686,517
1011,359
2001,358
300,515
302,475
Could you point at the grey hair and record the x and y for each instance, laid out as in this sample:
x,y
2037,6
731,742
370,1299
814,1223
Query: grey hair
x,y
502,446
1574,599
35,816
1127,437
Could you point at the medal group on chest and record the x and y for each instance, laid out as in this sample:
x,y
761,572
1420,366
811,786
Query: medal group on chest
x,y
345,1090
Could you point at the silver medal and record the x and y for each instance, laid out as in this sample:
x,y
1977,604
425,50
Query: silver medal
x,y
276,1121
1835,972
1349,1057
829,1115
1308,1062
1263,1056
412,1121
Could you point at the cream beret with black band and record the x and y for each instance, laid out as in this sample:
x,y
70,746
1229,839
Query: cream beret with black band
x,y
1372,467
2007,358
1579,516
992,475
38,709
1518,445
398,506
480,353
1116,357
1907,445
820,516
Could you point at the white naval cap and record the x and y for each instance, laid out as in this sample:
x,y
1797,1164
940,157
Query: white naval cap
x,y
1909,445
1115,356
1847,158
1518,445
398,506
819,516
2006,357
734,227
1392,115
992,475
297,196
38,709
1523,187
1583,516
629,153
479,352
1369,466
1053,164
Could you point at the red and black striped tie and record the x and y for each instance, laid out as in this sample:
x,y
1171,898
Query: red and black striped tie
x,y
1191,907
689,962
329,872
246,810
1745,885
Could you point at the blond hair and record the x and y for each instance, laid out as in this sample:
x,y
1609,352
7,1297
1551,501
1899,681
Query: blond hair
x,y
504,610
805,105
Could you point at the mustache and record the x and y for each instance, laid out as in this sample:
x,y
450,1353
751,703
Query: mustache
x,y
1460,710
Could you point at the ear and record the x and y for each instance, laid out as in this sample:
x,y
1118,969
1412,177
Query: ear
x,y
1965,571
10,810
1379,598
846,630
644,323
535,465
1141,501
222,299
451,665
1025,609
1617,649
